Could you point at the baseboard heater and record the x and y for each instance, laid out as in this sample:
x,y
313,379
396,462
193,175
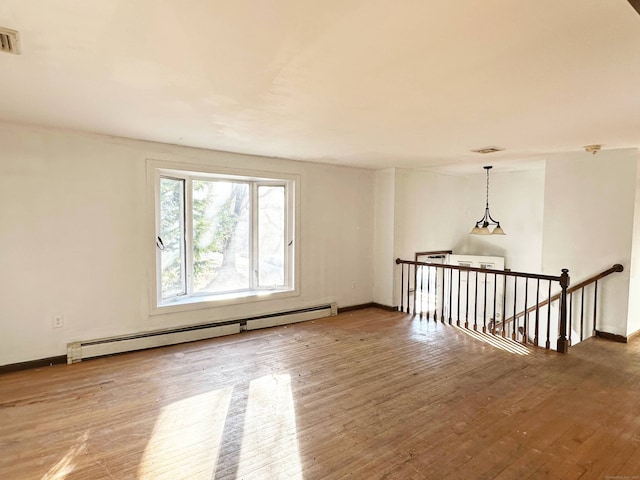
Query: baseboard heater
x,y
78,351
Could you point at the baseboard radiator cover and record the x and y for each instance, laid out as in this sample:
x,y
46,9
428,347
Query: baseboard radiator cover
x,y
293,316
78,351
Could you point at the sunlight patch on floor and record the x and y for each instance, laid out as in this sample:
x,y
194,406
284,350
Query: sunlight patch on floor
x,y
67,464
506,344
270,442
186,438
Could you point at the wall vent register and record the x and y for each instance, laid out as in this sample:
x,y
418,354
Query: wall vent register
x,y
9,41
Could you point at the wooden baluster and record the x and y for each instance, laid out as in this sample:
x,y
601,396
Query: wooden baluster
x,y
415,288
537,327
424,290
466,315
425,294
582,314
442,296
417,291
402,287
450,292
421,291
475,306
525,326
548,342
504,305
435,294
408,280
484,320
428,294
595,308
458,311
570,316
515,302
495,294
562,346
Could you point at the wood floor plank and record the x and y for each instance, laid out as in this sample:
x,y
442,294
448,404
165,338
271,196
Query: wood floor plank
x,y
368,394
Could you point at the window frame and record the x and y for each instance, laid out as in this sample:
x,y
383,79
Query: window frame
x,y
156,169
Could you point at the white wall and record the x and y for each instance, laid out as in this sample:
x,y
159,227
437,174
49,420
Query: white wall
x,y
73,238
516,200
384,234
588,223
633,323
429,212
414,211
436,212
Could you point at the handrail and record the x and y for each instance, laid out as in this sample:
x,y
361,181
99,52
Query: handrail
x,y
439,295
443,298
614,269
507,273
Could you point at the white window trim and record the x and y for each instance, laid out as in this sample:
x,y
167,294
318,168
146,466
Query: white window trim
x,y
157,168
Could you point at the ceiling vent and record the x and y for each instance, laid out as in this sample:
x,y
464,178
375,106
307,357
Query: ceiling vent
x,y
9,41
486,150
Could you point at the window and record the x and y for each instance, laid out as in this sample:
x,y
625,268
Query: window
x,y
222,236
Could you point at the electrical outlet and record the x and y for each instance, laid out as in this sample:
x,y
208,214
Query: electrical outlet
x,y
58,321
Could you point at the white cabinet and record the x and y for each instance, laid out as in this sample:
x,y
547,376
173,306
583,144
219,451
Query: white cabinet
x,y
485,287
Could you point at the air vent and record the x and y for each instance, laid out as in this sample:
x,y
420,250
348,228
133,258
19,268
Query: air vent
x,y
486,150
9,41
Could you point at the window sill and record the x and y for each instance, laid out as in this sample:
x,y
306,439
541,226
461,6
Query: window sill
x,y
183,304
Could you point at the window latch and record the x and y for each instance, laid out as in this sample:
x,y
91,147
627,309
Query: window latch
x,y
159,243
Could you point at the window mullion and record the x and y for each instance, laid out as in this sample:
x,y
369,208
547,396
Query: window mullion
x,y
188,235
157,188
288,233
254,236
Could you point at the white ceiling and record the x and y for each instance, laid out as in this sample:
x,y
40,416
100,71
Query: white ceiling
x,y
371,83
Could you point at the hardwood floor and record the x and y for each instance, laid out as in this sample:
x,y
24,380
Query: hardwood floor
x,y
369,394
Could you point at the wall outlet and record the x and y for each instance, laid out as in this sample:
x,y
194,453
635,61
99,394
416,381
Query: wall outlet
x,y
58,321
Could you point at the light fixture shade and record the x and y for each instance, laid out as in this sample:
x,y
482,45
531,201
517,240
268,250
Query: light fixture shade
x,y
498,231
484,231
475,230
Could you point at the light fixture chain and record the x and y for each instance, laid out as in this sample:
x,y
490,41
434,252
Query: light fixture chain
x,y
487,188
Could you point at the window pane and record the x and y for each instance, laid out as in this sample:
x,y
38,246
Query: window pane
x,y
271,236
221,236
172,235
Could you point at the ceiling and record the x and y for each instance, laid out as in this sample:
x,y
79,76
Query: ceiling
x,y
369,83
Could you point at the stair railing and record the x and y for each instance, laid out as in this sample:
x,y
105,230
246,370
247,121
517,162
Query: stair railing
x,y
593,280
476,297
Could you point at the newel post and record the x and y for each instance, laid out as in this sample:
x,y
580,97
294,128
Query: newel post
x,y
563,344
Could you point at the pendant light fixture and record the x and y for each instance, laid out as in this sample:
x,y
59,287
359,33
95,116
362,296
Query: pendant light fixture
x,y
482,225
